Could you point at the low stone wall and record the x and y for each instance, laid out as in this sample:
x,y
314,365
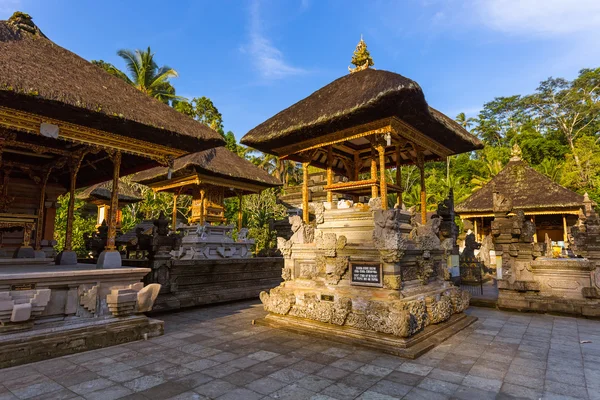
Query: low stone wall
x,y
200,282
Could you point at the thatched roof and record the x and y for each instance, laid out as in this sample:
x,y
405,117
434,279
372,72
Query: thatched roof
x,y
39,76
218,162
528,189
357,99
103,191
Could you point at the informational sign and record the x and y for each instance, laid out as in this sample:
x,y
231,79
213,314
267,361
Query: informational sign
x,y
326,297
366,274
23,286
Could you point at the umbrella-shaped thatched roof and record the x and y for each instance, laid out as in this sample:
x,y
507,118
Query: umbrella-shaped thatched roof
x,y
103,191
528,189
218,162
358,99
40,77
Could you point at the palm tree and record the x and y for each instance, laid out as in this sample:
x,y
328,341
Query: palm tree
x,y
492,168
147,76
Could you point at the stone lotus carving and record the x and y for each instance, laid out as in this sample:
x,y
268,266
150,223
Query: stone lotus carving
x,y
134,299
19,306
89,298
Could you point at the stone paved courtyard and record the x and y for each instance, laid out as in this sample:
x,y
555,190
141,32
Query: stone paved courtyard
x,y
215,352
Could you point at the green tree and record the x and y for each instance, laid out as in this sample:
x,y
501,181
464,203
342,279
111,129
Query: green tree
x,y
202,109
111,69
82,225
146,75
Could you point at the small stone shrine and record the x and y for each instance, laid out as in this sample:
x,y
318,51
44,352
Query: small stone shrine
x,y
365,273
203,242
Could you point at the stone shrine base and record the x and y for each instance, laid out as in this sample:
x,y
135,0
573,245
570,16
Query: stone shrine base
x,y
411,347
49,341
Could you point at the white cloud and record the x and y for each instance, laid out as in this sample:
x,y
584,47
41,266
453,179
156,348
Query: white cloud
x,y
539,17
267,58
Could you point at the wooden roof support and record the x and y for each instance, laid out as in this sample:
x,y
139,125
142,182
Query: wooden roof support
x,y
114,201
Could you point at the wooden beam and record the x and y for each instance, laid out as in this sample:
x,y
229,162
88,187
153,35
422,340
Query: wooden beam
x,y
373,173
399,175
329,173
305,215
382,181
114,202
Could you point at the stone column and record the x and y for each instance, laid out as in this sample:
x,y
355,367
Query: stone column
x,y
305,215
240,211
174,214
399,175
110,257
68,256
382,181
329,172
373,173
421,166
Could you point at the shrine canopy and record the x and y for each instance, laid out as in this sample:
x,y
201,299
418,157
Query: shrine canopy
x,y
217,167
101,193
55,105
352,111
529,190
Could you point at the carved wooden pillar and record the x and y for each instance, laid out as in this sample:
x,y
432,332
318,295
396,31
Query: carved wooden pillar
x,y
240,211
202,206
373,173
305,215
329,172
74,166
535,231
39,229
399,175
475,229
421,166
565,232
174,213
114,202
382,181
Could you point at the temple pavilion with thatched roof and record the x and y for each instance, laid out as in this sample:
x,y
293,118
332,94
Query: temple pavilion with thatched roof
x,y
364,122
209,177
552,207
66,122
100,195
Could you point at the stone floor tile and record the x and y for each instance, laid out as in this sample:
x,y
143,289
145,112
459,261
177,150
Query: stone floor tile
x,y
314,383
193,380
46,387
215,388
471,393
266,385
143,383
386,361
563,377
423,394
337,352
360,381
405,378
164,390
447,376
220,371
201,364
592,377
490,385
264,369
556,396
438,386
322,358
536,383
370,369
370,395
293,392
109,393
330,372
488,373
189,395
308,367
240,394
125,376
289,375
74,379
241,378
91,386
263,355
565,389
342,391
520,392
63,394
242,362
390,388
413,368
348,365
223,356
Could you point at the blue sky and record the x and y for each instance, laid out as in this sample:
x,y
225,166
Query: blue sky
x,y
254,58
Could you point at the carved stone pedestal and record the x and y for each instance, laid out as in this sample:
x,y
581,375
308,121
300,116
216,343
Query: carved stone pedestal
x,y
369,277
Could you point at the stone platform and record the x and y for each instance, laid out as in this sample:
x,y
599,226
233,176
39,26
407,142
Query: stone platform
x,y
49,310
189,283
411,347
